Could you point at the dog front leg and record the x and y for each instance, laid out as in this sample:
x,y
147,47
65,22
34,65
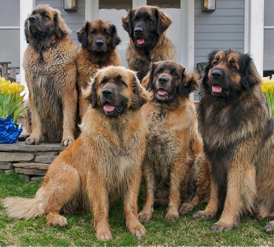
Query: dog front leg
x,y
69,113
98,196
177,175
149,182
36,133
130,207
241,194
212,207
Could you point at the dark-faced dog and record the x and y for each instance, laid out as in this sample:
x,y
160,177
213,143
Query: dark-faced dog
x,y
103,164
172,143
237,129
50,71
98,40
146,26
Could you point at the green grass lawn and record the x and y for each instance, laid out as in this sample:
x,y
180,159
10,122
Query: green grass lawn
x,y
80,231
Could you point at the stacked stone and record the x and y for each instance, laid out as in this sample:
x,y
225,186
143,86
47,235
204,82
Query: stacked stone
x,y
30,161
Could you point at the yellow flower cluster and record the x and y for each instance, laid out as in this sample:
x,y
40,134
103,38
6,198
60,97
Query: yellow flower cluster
x,y
267,85
10,87
10,99
268,90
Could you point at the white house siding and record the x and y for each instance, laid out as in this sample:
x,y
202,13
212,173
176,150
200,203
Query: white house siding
x,y
74,20
221,29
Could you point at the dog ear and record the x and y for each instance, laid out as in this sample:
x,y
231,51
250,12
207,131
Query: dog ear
x,y
127,22
189,83
93,97
89,93
60,27
27,31
140,95
208,66
150,77
250,75
82,35
145,80
163,21
115,39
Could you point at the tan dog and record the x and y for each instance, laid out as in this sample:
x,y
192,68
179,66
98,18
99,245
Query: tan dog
x,y
98,40
49,63
146,26
237,129
173,143
103,164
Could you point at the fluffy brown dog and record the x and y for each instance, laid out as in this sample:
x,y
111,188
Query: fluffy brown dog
x,y
173,142
50,68
98,40
237,129
103,164
146,26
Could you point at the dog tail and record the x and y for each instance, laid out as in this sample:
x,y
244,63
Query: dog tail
x,y
24,208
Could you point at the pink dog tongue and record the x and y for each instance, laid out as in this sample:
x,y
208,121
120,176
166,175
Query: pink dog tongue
x,y
162,92
140,41
216,89
108,107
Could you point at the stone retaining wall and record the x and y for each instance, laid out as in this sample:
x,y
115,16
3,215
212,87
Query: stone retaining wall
x,y
31,161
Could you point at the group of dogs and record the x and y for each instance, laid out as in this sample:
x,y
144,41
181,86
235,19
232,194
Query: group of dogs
x,y
131,130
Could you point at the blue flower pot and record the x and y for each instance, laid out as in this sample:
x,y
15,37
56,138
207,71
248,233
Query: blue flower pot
x,y
9,132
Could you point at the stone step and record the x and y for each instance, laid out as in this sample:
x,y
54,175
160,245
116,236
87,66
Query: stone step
x,y
39,166
22,147
30,171
16,156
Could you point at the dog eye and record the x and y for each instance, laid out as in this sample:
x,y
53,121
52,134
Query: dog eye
x,y
149,18
159,71
215,62
93,31
105,31
233,64
136,18
103,82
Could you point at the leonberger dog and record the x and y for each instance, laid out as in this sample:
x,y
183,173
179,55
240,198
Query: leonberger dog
x,y
237,130
173,142
98,40
102,164
146,26
50,72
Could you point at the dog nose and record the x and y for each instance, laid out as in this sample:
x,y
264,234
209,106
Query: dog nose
x,y
138,30
99,42
163,80
217,74
107,92
32,18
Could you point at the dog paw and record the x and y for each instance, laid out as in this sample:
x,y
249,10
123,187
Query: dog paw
x,y
186,208
202,214
172,215
145,215
103,233
106,236
219,227
66,142
269,228
32,141
138,231
57,220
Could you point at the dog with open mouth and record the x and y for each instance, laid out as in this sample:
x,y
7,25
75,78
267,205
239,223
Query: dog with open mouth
x,y
237,128
173,142
146,26
102,164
